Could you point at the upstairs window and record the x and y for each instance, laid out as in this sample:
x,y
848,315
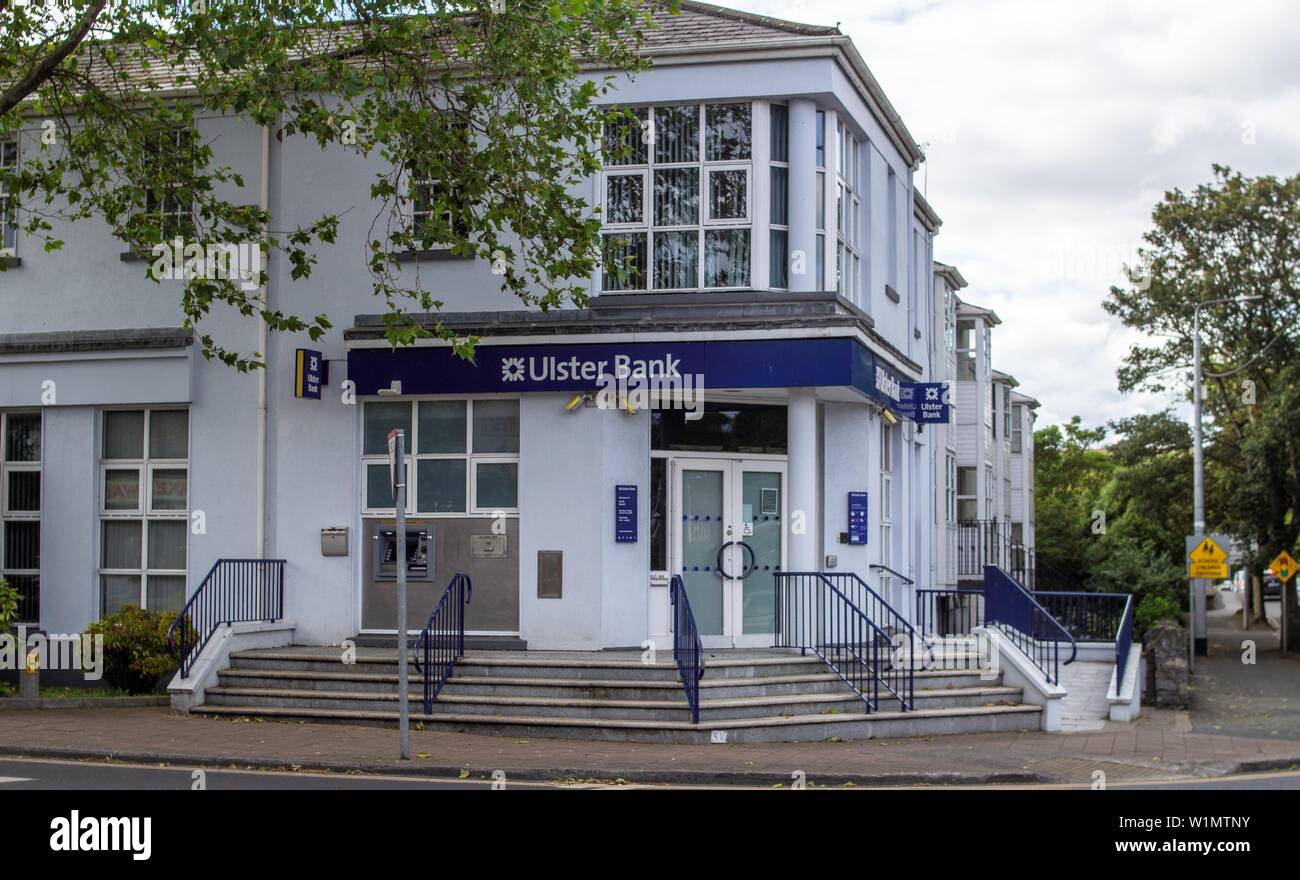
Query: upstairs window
x,y
1017,432
8,206
779,233
848,206
167,201
967,495
966,354
676,199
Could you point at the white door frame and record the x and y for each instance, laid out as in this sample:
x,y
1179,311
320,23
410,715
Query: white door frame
x,y
732,469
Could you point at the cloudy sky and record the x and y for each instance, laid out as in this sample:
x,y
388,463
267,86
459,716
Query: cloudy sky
x,y
1052,128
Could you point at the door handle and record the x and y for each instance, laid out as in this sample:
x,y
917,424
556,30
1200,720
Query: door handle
x,y
747,568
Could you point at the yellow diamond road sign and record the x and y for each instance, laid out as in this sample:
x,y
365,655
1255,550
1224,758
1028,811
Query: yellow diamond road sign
x,y
1284,566
1208,560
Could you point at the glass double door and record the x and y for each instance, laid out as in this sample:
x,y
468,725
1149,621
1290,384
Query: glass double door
x,y
728,543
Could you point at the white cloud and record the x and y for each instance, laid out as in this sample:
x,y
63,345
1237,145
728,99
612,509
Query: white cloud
x,y
1053,128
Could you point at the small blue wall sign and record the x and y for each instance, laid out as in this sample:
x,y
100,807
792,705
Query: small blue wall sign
x,y
310,373
857,517
625,514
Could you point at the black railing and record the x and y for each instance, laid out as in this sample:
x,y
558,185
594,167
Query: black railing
x,y
688,650
868,654
1090,617
989,542
1018,616
234,591
442,641
948,612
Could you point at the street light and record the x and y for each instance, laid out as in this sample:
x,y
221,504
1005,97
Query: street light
x,y
1196,605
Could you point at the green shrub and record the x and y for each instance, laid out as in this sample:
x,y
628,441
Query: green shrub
x,y
1154,609
8,605
135,648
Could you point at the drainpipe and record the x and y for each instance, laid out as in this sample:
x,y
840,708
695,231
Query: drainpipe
x,y
263,340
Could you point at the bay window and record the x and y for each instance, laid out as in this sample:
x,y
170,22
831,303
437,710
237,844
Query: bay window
x,y
462,455
779,189
144,509
676,200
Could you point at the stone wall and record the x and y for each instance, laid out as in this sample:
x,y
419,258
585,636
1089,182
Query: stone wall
x,y
1165,651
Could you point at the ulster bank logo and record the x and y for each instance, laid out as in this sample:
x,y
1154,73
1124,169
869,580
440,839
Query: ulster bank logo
x,y
512,369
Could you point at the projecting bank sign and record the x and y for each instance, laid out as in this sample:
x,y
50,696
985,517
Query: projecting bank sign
x,y
924,402
739,363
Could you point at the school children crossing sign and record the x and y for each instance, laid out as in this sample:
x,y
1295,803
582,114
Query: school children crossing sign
x,y
1208,560
1284,566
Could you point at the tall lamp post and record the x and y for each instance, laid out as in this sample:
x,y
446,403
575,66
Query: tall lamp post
x,y
1196,604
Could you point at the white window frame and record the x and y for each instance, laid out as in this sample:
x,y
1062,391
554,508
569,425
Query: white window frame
x,y
784,164
886,502
967,497
950,487
471,458
848,201
7,516
704,223
142,512
7,222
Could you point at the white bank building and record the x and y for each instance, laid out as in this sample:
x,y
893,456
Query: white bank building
x,y
136,472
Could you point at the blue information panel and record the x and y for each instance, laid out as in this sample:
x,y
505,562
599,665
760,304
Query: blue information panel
x,y
857,517
923,402
625,514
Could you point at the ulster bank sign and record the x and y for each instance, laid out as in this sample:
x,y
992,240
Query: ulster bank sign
x,y
729,363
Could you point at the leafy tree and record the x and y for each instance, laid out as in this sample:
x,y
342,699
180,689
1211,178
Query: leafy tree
x,y
1069,473
482,96
1235,236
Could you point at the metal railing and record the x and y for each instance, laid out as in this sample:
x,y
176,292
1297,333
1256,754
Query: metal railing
x,y
868,653
988,542
1095,617
1031,627
234,591
688,650
442,641
948,612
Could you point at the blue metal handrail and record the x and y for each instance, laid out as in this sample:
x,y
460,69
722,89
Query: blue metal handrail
x,y
688,650
875,566
233,591
442,641
1123,643
1016,613
868,650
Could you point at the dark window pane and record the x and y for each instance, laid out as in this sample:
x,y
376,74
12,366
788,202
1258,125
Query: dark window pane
x,y
728,194
625,140
624,198
121,542
379,487
169,434
440,485
821,139
442,426
677,260
166,592
677,196
625,261
496,485
780,133
167,544
780,196
726,258
24,490
23,437
724,427
779,259
381,418
118,590
168,491
122,489
727,132
677,134
496,426
658,514
23,545
123,434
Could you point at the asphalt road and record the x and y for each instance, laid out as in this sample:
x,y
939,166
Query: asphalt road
x,y
41,774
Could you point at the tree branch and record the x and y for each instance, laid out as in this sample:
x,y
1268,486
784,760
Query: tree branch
x,y
19,91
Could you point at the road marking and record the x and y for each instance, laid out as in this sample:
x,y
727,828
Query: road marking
x,y
4,779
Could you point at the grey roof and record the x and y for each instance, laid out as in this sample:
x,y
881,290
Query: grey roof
x,y
924,212
61,341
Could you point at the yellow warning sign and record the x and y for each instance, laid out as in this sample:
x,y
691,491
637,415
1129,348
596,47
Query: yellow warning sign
x,y
1208,560
1284,566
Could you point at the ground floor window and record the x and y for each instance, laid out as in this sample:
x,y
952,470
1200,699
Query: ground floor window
x,y
20,509
143,508
722,427
462,456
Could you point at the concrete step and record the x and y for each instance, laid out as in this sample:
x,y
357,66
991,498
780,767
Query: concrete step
x,y
792,728
665,707
813,682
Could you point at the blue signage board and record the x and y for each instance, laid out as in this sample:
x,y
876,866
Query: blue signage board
x,y
729,363
924,402
857,517
310,373
625,514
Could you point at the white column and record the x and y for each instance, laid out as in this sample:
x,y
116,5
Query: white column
x,y
803,509
803,192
